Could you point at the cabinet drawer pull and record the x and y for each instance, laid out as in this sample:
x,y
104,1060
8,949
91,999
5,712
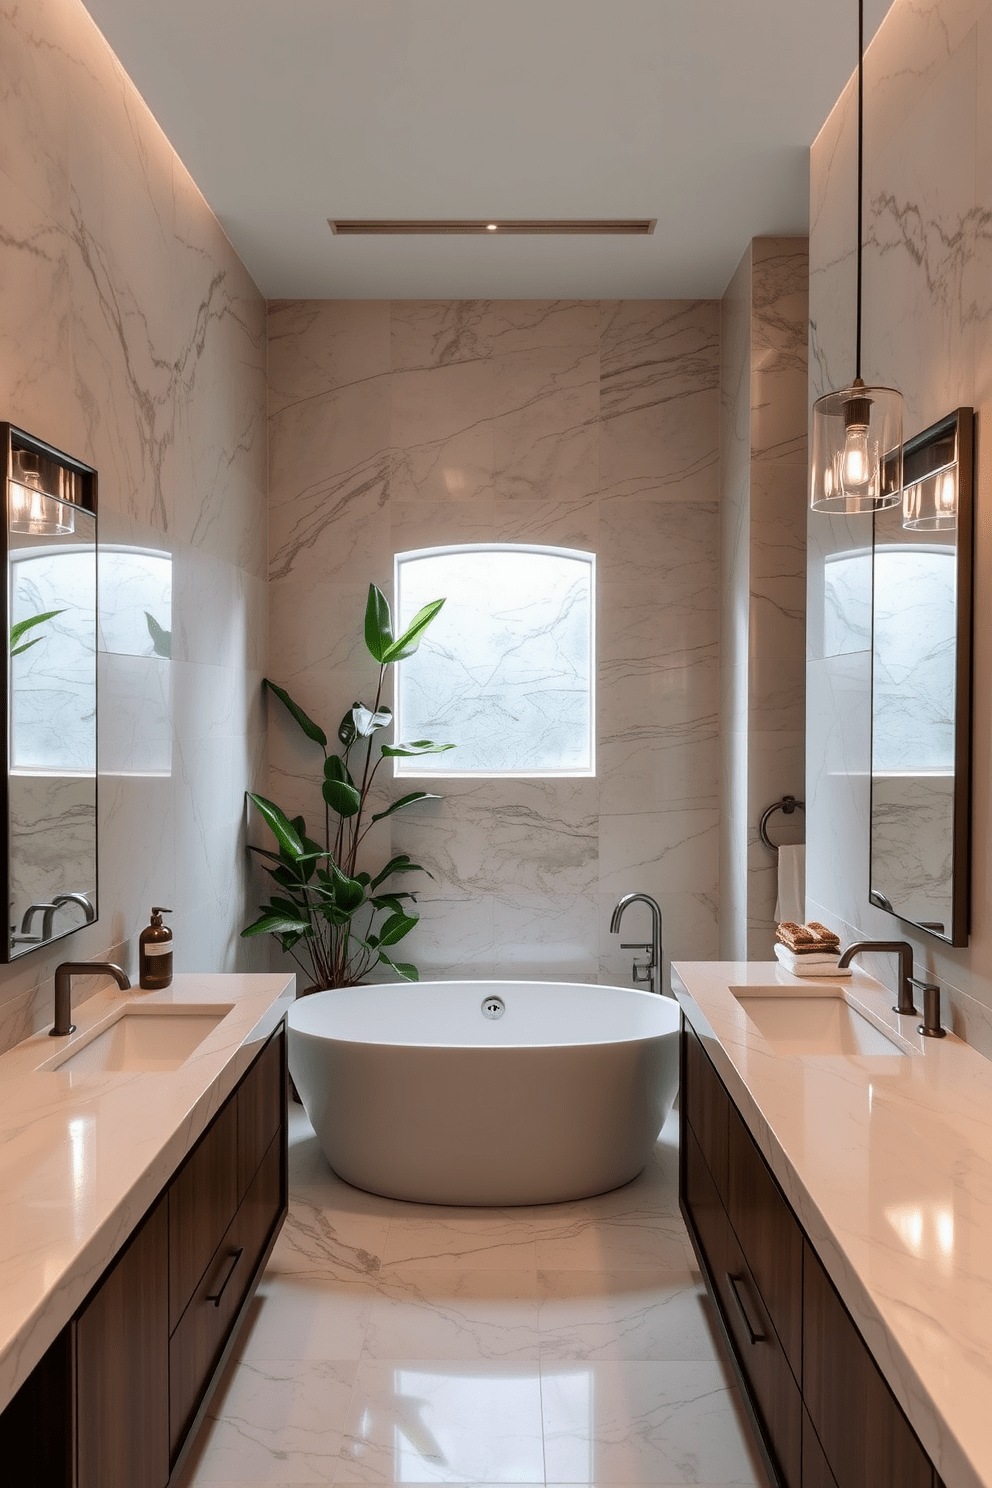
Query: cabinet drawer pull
x,y
756,1334
215,1297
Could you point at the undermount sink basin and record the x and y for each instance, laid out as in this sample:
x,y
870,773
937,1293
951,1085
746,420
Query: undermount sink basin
x,y
158,1037
821,1024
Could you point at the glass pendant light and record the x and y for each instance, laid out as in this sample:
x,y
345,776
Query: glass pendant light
x,y
857,432
33,510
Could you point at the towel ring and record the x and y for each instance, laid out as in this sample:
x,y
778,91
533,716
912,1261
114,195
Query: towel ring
x,y
787,806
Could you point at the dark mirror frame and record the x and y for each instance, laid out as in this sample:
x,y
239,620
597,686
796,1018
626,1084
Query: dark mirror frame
x,y
83,488
950,439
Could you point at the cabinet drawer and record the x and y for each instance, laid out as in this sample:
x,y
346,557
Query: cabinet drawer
x,y
202,1199
705,1104
774,1392
260,1097
708,1221
865,1437
199,1340
769,1236
816,1468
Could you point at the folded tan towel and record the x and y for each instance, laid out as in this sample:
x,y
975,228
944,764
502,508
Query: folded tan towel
x,y
802,939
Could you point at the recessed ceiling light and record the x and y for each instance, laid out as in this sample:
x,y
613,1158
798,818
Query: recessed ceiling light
x,y
626,227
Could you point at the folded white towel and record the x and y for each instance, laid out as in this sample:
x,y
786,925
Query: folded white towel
x,y
810,966
791,901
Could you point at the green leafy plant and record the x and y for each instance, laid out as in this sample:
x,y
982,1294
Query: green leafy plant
x,y
336,921
23,626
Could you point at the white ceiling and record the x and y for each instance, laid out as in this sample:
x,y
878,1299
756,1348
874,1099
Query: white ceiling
x,y
287,112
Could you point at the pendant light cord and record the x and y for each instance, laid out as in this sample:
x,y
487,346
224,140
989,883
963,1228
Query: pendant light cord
x,y
861,167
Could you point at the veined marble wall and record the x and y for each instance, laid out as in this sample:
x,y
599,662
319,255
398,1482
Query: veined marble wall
x,y
928,331
586,424
764,315
132,336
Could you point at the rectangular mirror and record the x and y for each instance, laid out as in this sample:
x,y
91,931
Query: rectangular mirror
x,y
921,686
50,701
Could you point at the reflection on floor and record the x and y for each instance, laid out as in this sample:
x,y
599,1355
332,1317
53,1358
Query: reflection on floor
x,y
403,1343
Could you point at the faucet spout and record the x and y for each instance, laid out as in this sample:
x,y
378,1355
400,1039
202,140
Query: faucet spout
x,y
653,969
904,951
63,989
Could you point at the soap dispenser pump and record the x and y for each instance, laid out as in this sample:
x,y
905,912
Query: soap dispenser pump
x,y
155,953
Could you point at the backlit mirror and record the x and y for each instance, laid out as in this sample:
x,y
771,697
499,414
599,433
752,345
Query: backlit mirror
x,y
50,625
921,686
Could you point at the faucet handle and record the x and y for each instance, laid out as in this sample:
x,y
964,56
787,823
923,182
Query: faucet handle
x,y
930,1027
635,945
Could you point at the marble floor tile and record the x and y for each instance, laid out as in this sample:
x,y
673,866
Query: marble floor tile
x,y
617,1315
427,1422
274,1422
642,1423
298,1315
428,1238
454,1315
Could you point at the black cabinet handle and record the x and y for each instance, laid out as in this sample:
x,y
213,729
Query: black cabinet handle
x,y
756,1334
215,1297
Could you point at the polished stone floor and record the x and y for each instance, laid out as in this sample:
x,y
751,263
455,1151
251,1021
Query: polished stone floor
x,y
405,1343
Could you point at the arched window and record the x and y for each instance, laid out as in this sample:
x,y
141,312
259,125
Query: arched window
x,y
506,671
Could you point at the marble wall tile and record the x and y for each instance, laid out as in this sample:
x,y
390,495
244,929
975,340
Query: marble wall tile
x,y
134,338
926,270
763,449
659,367
494,434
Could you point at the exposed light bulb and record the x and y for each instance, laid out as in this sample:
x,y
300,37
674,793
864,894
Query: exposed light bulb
x,y
947,494
492,226
856,463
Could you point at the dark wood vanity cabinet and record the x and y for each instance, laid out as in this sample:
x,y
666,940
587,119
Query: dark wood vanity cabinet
x,y
824,1414
115,1400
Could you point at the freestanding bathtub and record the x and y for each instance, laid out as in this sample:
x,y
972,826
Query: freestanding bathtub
x,y
486,1092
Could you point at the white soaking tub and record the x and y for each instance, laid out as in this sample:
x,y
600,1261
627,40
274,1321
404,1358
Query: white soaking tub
x,y
486,1092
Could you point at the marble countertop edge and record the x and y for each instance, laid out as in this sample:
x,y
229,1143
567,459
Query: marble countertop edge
x,y
946,1405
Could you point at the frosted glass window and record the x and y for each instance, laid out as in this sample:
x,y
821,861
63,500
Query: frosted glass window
x,y
506,670
53,683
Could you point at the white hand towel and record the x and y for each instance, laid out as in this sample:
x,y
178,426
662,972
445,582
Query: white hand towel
x,y
810,966
791,901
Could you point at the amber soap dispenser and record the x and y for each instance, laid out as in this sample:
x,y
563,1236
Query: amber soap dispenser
x,y
155,953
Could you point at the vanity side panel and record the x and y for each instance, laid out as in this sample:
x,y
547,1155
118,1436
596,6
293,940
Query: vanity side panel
x,y
706,1107
36,1427
122,1367
865,1437
261,1100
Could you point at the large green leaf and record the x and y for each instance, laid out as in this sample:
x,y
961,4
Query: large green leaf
x,y
348,892
396,927
280,825
407,643
411,750
400,864
161,639
406,801
338,791
378,624
278,924
312,730
341,797
23,626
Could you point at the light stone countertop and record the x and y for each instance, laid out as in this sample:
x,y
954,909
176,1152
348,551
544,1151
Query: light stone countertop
x,y
887,1161
83,1156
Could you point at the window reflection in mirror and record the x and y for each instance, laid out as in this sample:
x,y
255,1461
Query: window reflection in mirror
x,y
51,701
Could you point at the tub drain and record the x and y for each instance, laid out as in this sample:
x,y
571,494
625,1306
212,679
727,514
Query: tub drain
x,y
493,1007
